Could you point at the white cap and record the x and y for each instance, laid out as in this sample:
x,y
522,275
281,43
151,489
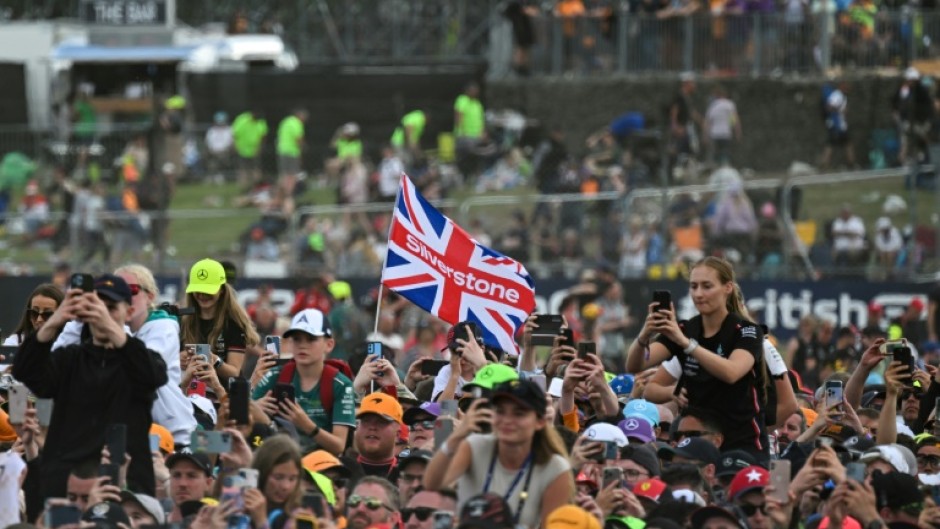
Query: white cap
x,y
205,405
911,74
883,223
888,454
606,433
149,503
310,321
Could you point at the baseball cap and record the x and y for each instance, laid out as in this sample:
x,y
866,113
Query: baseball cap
x,y
524,392
605,433
642,408
339,290
622,384
651,489
310,321
692,448
838,432
383,405
586,479
702,515
112,287
486,511
452,340
733,461
408,455
166,438
320,460
911,73
889,454
748,479
106,514
917,304
7,432
571,517
200,460
206,407
638,429
897,491
643,456
148,503
206,277
491,375
412,415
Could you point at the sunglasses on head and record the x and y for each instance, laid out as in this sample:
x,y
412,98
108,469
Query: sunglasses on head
x,y
424,425
750,509
373,504
423,513
35,314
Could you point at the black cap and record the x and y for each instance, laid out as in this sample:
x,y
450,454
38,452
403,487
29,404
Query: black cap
x,y
200,460
110,286
524,392
408,455
106,515
702,515
732,461
897,491
486,511
693,449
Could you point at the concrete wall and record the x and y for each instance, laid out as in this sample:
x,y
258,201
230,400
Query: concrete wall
x,y
780,118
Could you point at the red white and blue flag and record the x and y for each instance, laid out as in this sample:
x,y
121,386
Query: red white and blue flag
x,y
436,265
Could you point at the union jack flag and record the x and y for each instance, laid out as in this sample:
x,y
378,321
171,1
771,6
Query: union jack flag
x,y
436,265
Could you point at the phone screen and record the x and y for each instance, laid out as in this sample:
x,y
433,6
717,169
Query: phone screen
x,y
662,299
585,349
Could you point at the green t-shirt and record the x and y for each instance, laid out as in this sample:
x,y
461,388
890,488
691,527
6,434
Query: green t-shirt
x,y
289,134
414,119
472,119
85,120
248,133
344,399
348,148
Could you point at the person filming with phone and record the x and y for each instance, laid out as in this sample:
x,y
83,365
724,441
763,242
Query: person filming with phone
x,y
720,352
112,377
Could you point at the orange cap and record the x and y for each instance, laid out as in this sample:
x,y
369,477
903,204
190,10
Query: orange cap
x,y
7,433
810,416
166,438
383,405
319,460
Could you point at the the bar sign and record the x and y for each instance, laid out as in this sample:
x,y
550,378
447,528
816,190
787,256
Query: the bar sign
x,y
125,12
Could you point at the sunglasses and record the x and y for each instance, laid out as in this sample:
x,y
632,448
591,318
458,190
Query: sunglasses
x,y
35,314
423,513
340,483
135,288
750,510
373,504
424,425
929,461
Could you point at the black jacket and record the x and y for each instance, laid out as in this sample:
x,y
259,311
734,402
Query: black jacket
x,y
92,387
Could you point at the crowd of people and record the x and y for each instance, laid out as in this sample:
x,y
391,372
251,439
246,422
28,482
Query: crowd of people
x,y
120,413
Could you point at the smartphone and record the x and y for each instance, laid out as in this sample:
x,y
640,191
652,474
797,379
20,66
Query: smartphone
x,y
904,355
210,442
780,479
608,452
662,299
196,387
540,381
235,521
283,392
549,326
18,395
443,428
59,515
232,487
314,502
612,475
443,520
306,522
272,344
8,352
238,400
44,411
888,347
432,367
117,442
249,477
567,338
154,443
83,282
203,350
585,349
833,393
375,348
449,408
855,472
110,471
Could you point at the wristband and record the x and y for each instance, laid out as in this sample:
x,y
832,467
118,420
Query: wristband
x,y
315,431
693,345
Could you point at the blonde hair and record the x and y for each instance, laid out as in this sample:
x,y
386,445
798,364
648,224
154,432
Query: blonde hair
x,y
143,275
227,307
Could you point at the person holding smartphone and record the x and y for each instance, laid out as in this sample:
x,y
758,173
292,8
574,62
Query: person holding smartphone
x,y
466,358
721,354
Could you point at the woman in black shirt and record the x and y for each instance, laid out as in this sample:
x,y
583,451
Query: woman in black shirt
x,y
720,352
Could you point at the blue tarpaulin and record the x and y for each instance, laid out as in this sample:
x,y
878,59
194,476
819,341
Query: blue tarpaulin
x,y
78,53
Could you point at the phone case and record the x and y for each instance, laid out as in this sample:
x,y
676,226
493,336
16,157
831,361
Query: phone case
x,y
18,403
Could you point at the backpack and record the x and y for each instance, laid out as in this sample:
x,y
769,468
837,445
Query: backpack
x,y
331,368
766,391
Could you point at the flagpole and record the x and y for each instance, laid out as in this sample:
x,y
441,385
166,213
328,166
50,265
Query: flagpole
x,y
388,236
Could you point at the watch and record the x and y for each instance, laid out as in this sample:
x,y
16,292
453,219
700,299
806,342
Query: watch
x,y
218,362
693,344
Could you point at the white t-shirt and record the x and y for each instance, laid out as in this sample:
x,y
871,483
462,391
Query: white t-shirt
x,y
11,467
854,240
890,242
390,171
720,119
440,382
219,139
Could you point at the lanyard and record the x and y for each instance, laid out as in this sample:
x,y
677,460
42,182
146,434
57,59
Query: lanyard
x,y
523,495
